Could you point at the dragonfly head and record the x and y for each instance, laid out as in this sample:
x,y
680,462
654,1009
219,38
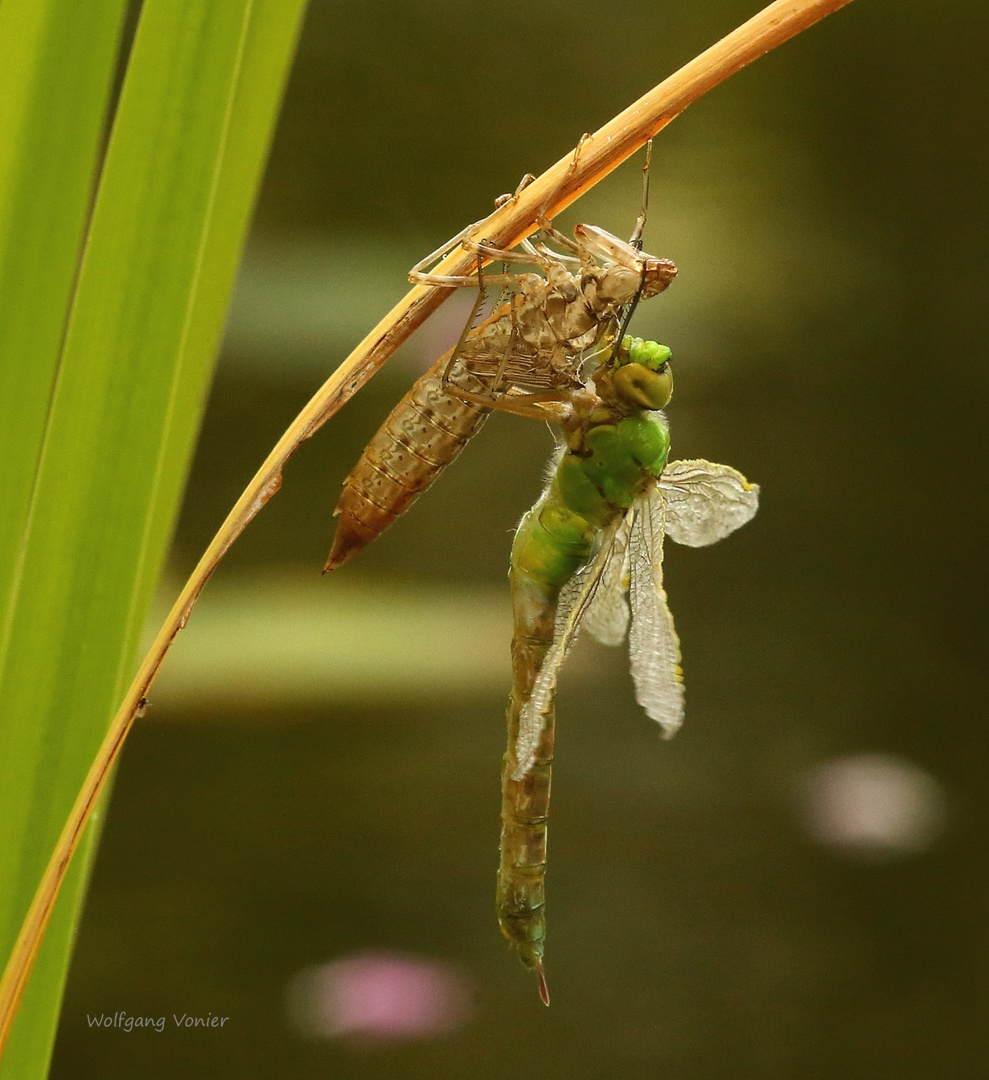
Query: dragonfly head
x,y
636,375
656,275
628,274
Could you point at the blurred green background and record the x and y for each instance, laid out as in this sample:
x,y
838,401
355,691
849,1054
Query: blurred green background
x,y
318,773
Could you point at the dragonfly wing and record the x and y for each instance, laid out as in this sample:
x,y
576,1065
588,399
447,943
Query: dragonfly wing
x,y
653,644
705,502
606,616
573,604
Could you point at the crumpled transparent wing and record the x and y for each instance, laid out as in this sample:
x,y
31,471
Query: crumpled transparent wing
x,y
606,615
705,502
572,605
654,647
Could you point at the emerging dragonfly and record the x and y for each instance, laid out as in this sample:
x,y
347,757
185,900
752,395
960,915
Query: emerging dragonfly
x,y
529,350
596,532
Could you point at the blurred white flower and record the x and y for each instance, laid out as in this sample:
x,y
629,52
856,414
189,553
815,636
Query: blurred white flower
x,y
873,805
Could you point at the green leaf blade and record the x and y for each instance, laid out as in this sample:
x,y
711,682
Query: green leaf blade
x,y
185,157
57,62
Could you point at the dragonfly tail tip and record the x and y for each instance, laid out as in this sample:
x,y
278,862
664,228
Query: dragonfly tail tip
x,y
543,988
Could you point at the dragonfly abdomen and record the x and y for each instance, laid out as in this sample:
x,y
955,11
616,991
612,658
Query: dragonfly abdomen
x,y
427,430
535,341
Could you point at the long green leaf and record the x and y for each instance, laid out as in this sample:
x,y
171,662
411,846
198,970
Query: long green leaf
x,y
57,60
189,140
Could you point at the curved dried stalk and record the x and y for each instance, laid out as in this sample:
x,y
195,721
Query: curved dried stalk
x,y
553,191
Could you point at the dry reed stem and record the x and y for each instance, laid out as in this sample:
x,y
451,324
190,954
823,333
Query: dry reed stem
x,y
552,192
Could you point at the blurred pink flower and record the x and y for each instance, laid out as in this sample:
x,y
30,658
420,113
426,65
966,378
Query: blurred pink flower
x,y
378,996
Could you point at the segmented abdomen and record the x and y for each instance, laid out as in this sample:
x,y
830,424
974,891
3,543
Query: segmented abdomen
x,y
521,893
587,492
425,431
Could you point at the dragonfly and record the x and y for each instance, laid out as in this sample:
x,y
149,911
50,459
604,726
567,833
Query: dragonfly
x,y
589,555
529,351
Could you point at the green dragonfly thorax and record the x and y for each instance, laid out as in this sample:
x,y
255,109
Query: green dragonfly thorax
x,y
617,445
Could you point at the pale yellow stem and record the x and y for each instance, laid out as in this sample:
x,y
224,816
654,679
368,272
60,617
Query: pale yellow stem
x,y
559,186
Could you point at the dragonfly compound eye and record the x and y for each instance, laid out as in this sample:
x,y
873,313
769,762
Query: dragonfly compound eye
x,y
642,387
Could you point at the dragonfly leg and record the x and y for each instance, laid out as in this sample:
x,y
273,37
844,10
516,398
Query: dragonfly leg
x,y
460,281
528,258
444,249
549,230
640,222
544,223
539,253
531,406
482,294
495,398
509,350
571,168
419,274
523,184
559,256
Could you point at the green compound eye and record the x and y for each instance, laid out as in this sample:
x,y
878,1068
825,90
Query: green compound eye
x,y
643,387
